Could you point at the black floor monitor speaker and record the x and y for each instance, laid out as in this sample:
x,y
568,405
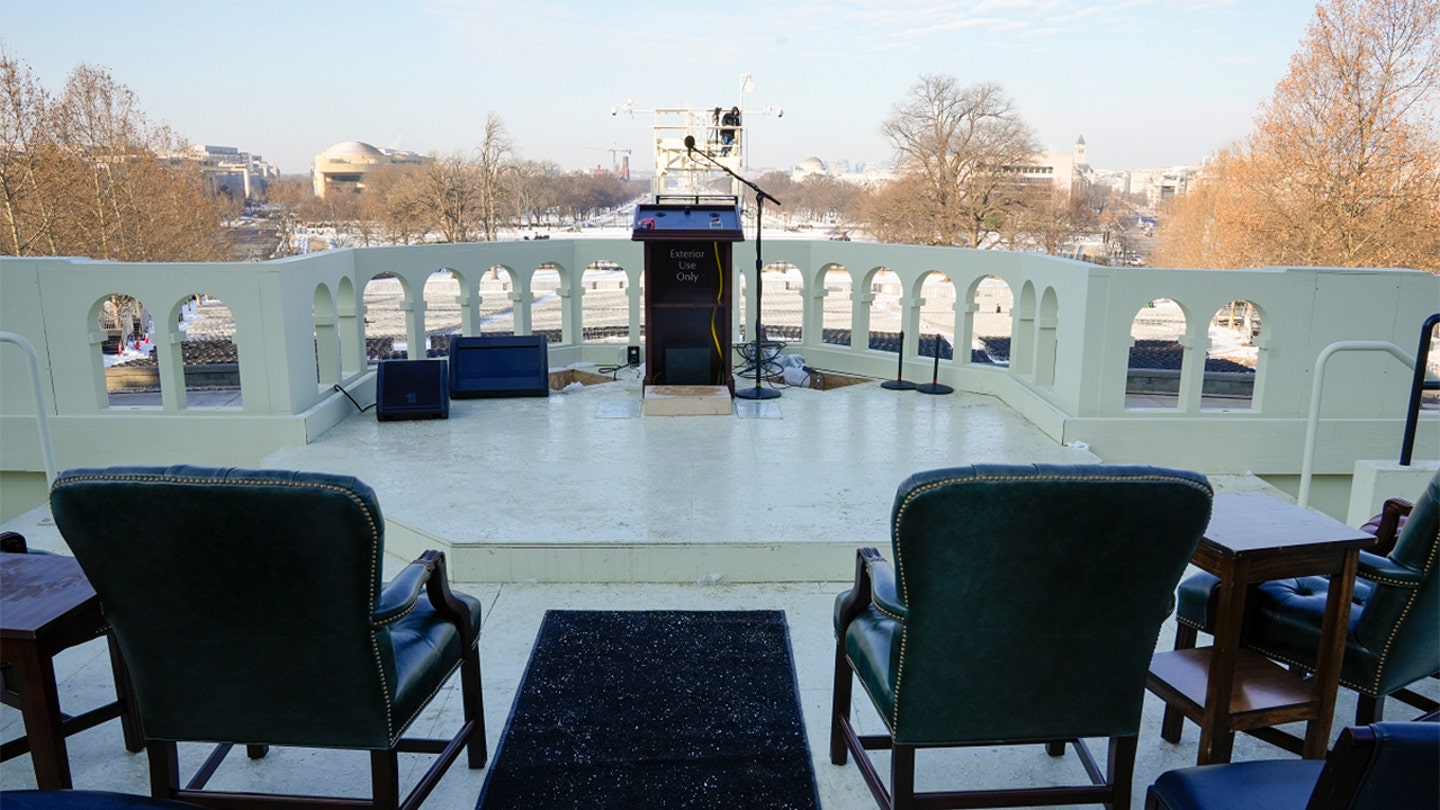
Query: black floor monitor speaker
x,y
412,389
499,366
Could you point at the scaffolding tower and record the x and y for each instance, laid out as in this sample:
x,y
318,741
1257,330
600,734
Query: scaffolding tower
x,y
677,170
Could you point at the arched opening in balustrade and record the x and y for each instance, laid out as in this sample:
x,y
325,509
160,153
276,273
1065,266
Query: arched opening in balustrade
x,y
605,303
442,294
497,309
126,332
1232,358
547,310
883,317
327,339
991,301
937,316
783,309
386,297
1157,356
838,306
208,354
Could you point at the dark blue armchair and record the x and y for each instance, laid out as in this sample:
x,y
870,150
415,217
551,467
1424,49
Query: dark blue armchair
x,y
1384,766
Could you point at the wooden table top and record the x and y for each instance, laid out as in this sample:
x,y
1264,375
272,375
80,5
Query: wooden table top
x,y
37,589
1253,521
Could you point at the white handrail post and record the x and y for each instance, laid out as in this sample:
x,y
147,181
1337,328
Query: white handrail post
x,y
1313,425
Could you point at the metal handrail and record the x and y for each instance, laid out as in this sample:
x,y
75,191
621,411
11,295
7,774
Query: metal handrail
x,y
1312,426
1418,385
47,450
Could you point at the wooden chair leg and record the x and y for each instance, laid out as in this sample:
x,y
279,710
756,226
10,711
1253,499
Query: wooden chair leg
x,y
1369,710
8,695
840,706
1173,721
470,693
385,779
1120,770
902,777
125,694
164,768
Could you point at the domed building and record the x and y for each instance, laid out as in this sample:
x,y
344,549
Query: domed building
x,y
344,165
810,166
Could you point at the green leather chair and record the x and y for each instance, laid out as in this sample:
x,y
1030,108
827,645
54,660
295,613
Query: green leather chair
x,y
249,608
956,644
1394,635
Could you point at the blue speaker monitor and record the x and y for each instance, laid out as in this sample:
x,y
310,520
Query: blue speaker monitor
x,y
499,366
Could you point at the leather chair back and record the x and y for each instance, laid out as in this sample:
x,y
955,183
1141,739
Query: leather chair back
x,y
242,600
987,558
1402,624
1399,774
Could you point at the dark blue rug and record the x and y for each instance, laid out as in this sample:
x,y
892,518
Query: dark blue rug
x,y
655,709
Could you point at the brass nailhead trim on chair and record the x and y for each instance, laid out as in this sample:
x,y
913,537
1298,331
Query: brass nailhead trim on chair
x,y
390,731
1373,690
975,479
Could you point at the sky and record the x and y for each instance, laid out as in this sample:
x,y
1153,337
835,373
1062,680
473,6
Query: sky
x,y
1147,83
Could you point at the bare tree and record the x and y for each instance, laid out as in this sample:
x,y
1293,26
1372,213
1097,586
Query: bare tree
x,y
494,152
1046,222
958,147
393,208
1219,222
896,211
827,197
286,198
86,174
459,197
31,207
1343,167
531,189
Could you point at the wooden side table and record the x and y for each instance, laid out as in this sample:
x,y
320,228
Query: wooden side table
x,y
47,605
1251,538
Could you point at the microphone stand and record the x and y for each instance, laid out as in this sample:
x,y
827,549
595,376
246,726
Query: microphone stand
x,y
760,197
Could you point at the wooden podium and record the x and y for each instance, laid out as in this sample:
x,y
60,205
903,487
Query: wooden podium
x,y
688,281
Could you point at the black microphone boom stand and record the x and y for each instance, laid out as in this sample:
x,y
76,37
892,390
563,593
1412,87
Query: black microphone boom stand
x,y
760,197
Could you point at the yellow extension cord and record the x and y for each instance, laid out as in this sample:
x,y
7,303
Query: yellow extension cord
x,y
719,297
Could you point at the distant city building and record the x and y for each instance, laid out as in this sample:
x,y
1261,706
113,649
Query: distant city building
x,y
809,167
227,170
1158,185
864,174
344,165
1065,172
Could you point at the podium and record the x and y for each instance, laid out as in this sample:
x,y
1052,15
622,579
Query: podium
x,y
688,281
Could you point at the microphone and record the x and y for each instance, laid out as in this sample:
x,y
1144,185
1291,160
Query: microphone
x,y
690,143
